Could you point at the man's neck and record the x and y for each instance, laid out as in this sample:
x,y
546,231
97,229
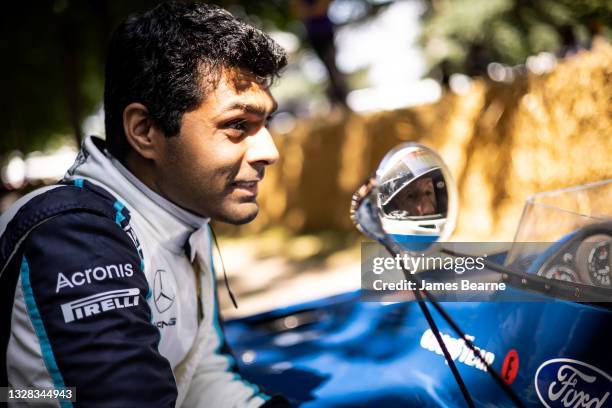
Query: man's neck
x,y
143,170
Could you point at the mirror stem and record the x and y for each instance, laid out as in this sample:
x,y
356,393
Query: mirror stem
x,y
436,332
417,292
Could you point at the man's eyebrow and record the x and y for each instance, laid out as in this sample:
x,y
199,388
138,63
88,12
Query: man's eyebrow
x,y
250,108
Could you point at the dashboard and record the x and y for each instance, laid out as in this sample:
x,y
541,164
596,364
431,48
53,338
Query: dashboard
x,y
585,258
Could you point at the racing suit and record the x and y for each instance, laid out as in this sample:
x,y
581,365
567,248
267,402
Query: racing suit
x,y
110,288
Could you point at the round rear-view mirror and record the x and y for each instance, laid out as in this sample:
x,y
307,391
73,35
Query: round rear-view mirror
x,y
411,203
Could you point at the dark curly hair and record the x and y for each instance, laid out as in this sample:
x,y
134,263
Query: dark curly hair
x,y
168,58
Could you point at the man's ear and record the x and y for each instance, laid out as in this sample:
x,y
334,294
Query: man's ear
x,y
140,132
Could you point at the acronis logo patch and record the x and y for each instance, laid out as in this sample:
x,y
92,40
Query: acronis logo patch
x,y
97,273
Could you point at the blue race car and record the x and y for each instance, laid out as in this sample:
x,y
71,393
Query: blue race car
x,y
546,341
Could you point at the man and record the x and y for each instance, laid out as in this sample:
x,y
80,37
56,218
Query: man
x,y
107,278
416,199
320,33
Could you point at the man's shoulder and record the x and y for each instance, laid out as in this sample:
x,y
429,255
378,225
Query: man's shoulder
x,y
11,212
61,197
58,202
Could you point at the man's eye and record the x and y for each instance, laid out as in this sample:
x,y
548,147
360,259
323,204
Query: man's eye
x,y
268,121
237,128
241,125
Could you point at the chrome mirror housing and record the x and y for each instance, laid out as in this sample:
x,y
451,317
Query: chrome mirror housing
x,y
410,203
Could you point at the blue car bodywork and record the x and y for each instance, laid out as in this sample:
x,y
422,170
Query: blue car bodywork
x,y
344,352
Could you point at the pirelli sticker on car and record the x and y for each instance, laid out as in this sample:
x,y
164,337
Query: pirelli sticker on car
x,y
100,303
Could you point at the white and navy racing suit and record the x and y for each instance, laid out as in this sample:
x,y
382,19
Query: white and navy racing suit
x,y
109,288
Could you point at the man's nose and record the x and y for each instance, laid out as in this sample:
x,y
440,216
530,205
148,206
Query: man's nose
x,y
425,207
262,148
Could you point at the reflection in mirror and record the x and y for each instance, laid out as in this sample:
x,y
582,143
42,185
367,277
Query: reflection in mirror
x,y
416,198
423,197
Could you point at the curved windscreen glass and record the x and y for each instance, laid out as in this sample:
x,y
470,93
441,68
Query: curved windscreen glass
x,y
567,235
549,216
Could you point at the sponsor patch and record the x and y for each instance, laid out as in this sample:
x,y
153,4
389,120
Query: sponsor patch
x,y
457,349
100,303
97,273
163,294
563,382
510,367
132,234
162,323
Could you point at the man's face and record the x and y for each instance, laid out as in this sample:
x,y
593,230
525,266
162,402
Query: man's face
x,y
419,198
213,167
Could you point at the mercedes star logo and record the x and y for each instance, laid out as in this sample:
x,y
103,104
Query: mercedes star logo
x,y
163,293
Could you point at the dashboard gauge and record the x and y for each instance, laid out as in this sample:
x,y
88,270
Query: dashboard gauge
x,y
561,272
598,263
593,260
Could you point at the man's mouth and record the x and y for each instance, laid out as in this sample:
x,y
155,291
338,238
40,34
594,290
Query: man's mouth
x,y
249,186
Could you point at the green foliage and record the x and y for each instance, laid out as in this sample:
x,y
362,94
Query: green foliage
x,y
52,76
506,31
54,51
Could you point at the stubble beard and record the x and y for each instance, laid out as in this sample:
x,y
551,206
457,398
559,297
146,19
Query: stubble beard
x,y
231,217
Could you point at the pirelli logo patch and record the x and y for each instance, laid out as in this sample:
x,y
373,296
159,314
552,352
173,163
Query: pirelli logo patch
x,y
100,303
